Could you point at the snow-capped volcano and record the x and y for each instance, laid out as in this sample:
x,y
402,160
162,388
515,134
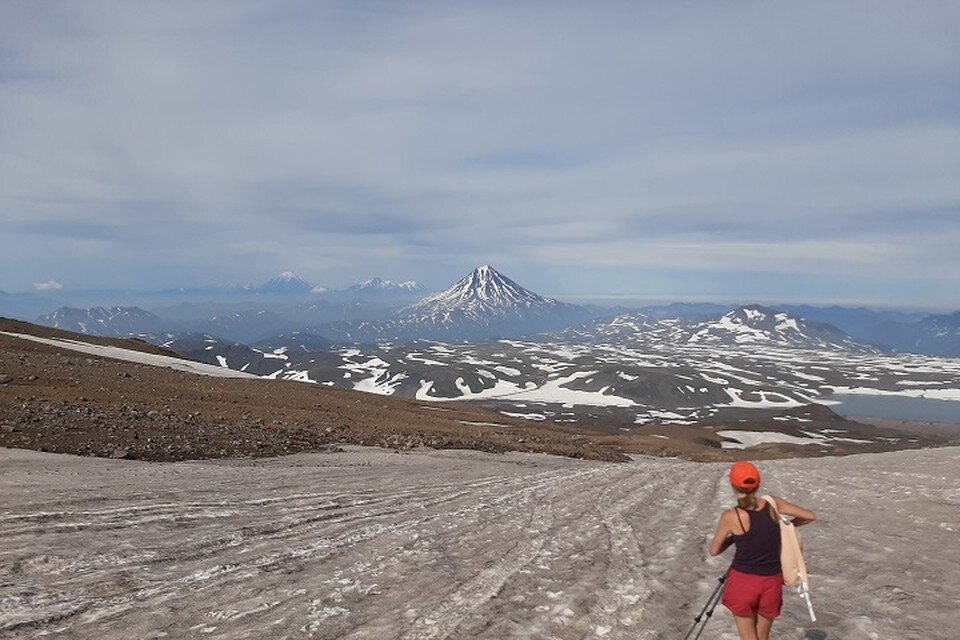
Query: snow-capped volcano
x,y
286,282
484,304
482,294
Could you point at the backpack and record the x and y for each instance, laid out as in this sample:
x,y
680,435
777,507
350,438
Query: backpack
x,y
791,557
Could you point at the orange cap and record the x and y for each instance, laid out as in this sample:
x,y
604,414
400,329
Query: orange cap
x,y
743,475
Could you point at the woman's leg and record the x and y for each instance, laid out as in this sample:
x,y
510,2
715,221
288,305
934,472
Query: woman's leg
x,y
747,627
763,628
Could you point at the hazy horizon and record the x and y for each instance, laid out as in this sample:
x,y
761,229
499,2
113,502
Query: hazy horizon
x,y
701,152
237,292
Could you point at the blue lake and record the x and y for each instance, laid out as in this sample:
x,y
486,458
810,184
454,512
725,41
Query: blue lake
x,y
896,407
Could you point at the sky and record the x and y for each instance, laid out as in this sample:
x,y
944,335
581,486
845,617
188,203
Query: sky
x,y
725,151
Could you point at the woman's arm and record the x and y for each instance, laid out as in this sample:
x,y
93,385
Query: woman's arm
x,y
800,515
723,538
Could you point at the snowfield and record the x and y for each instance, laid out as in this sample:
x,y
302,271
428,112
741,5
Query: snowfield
x,y
140,357
369,544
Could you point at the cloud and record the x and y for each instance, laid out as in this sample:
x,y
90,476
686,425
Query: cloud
x,y
49,285
223,142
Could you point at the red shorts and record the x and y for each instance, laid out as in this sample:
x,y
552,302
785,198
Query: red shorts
x,y
747,594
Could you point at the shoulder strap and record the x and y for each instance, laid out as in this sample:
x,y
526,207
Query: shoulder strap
x,y
772,503
742,528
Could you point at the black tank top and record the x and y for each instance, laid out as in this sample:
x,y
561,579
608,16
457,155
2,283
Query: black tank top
x,y
758,550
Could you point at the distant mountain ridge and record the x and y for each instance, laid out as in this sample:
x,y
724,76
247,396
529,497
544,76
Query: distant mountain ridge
x,y
746,325
104,321
484,304
937,334
289,283
754,324
379,284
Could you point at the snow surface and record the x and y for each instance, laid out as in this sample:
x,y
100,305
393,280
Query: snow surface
x,y
129,355
935,394
768,399
553,391
372,374
753,438
525,416
369,544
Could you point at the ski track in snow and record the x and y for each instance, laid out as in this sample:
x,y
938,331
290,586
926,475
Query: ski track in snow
x,y
369,544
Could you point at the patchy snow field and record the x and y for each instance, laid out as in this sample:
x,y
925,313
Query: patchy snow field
x,y
140,357
369,544
648,377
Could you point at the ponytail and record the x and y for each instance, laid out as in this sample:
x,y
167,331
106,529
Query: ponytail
x,y
747,499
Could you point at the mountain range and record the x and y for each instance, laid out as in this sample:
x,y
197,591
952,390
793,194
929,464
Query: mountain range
x,y
483,304
934,334
488,338
743,326
105,321
630,369
487,304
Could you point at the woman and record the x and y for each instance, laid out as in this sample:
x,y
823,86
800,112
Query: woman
x,y
754,589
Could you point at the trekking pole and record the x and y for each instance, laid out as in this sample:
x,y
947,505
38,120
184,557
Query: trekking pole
x,y
708,608
716,601
804,590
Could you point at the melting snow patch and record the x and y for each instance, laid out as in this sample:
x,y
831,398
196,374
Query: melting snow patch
x,y
507,371
423,393
807,376
767,399
377,372
664,417
786,323
300,376
714,380
129,355
554,391
935,394
525,416
752,438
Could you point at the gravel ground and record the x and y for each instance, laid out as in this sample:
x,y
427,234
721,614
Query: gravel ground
x,y
371,544
55,399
